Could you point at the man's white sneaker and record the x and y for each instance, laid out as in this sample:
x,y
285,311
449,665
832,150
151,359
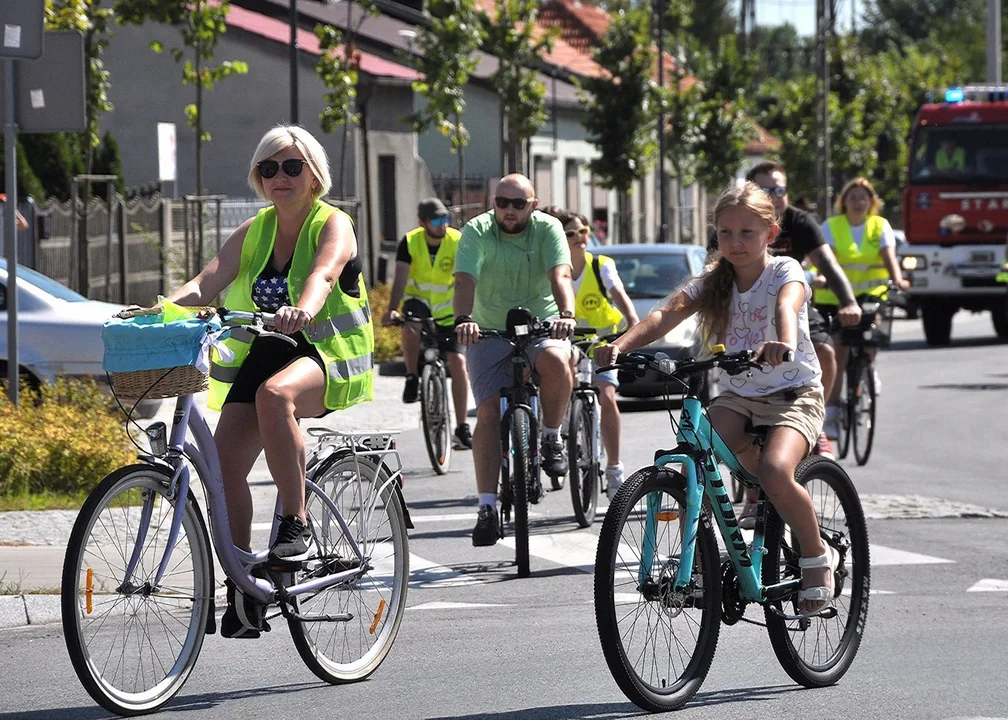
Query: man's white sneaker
x,y
878,382
614,479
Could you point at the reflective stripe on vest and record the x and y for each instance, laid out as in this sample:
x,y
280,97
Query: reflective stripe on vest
x,y
342,334
433,283
863,266
591,306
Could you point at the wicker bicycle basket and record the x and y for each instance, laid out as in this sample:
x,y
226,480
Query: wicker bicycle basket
x,y
160,383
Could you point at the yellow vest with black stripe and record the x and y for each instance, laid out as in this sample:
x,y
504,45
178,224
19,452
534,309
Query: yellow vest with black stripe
x,y
591,306
433,283
863,266
342,331
955,161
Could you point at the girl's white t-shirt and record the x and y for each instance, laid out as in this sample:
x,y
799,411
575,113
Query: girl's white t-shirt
x,y
752,320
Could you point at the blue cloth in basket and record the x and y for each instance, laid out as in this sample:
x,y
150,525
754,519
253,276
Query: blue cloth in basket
x,y
148,343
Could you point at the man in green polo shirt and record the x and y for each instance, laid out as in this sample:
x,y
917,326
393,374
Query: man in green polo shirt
x,y
513,256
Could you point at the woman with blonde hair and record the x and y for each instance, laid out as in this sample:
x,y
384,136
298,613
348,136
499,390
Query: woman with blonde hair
x,y
297,258
748,299
865,246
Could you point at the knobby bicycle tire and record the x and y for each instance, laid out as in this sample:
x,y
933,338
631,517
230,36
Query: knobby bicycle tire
x,y
837,638
583,468
436,417
348,651
617,588
863,417
521,474
97,609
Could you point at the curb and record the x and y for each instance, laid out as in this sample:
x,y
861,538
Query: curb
x,y
24,610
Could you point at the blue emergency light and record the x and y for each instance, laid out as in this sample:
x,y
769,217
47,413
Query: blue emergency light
x,y
954,95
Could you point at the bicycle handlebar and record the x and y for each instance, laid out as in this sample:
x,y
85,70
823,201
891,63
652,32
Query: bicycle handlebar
x,y
733,364
257,323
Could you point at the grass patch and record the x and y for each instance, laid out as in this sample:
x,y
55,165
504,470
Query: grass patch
x,y
12,587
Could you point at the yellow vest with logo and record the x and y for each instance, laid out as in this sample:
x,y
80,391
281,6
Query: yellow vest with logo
x,y
341,333
591,306
863,266
955,161
433,283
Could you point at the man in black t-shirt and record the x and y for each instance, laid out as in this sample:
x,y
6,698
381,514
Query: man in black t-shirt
x,y
800,237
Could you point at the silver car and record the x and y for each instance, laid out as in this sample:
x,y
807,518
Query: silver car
x,y
650,273
59,332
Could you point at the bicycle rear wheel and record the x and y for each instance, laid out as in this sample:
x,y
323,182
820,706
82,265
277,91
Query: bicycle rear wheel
x,y
583,468
863,415
347,651
521,476
818,651
436,417
134,644
658,643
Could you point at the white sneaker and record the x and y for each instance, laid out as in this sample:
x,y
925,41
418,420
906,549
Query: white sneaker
x,y
878,382
614,479
831,426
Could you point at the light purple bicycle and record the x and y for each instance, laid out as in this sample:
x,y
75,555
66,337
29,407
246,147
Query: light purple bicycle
x,y
139,592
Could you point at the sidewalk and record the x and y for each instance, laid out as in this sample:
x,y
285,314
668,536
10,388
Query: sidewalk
x,y
33,543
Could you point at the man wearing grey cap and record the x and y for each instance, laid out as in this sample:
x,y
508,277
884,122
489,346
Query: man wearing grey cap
x,y
425,271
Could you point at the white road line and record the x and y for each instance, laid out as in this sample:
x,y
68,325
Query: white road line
x,y
442,605
990,585
884,555
573,549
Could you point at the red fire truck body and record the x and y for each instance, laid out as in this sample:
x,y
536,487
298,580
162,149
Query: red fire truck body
x,y
955,208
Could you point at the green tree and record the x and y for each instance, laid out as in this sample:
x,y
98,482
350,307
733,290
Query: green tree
x,y
200,24
338,67
782,53
28,183
517,42
619,109
711,20
55,159
446,60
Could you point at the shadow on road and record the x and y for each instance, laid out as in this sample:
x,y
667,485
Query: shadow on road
x,y
965,386
970,342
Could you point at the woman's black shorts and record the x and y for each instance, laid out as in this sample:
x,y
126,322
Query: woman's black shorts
x,y
266,357
818,325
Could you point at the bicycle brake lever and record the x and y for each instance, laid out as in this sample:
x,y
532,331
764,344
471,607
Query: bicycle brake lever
x,y
259,332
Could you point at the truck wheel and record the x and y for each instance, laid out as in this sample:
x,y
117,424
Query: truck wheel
x,y
937,325
999,314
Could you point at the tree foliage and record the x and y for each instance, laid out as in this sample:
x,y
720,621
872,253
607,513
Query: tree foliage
x,y
517,42
200,24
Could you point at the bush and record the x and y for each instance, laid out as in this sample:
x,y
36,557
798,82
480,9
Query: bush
x,y
387,340
60,442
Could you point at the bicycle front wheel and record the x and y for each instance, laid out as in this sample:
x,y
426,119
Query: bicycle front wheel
x,y
863,415
343,651
132,642
658,642
436,417
583,467
521,476
818,651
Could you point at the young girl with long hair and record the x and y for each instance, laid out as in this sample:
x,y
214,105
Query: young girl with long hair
x,y
747,298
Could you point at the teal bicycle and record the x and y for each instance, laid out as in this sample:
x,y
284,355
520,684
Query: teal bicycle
x,y
661,588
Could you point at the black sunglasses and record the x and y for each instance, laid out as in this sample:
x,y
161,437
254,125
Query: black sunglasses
x,y
292,167
779,191
516,203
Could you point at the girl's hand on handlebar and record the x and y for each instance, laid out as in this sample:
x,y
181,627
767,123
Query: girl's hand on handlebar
x,y
773,353
605,355
467,333
289,320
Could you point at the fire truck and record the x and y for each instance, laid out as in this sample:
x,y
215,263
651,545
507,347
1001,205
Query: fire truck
x,y
955,208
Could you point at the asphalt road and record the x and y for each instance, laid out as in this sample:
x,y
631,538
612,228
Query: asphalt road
x,y
477,642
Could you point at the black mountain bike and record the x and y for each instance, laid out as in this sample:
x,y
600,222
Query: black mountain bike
x,y
435,399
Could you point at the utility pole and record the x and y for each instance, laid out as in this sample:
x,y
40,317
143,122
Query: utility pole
x,y
662,180
824,24
293,63
993,42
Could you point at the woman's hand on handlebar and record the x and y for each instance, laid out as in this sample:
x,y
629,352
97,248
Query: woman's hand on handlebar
x,y
605,355
390,318
849,315
289,320
467,333
773,353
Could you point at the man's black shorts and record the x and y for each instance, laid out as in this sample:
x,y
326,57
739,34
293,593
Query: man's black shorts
x,y
818,325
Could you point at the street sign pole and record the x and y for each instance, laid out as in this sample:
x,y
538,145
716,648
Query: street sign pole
x,y
10,229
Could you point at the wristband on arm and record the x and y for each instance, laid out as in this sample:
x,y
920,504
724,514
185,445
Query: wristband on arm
x,y
460,319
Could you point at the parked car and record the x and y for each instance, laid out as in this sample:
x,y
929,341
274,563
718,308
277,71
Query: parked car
x,y
59,332
650,273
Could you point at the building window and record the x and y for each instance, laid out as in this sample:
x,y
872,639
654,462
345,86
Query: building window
x,y
544,180
573,190
387,198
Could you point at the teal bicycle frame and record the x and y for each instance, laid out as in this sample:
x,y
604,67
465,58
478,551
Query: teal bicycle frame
x,y
698,447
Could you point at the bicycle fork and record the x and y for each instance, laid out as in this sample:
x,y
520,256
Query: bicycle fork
x,y
690,523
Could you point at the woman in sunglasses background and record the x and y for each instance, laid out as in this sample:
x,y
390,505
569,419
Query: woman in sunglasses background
x,y
296,258
601,302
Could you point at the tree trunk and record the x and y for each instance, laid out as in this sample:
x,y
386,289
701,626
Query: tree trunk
x,y
462,177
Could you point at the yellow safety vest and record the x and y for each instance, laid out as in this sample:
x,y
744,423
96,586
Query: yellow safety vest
x,y
433,283
342,332
591,306
956,161
863,267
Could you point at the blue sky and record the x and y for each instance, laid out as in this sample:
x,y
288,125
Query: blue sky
x,y
801,13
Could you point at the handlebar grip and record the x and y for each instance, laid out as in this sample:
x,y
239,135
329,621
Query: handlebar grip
x,y
789,356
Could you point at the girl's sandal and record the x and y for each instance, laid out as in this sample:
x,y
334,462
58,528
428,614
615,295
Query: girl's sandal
x,y
816,599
